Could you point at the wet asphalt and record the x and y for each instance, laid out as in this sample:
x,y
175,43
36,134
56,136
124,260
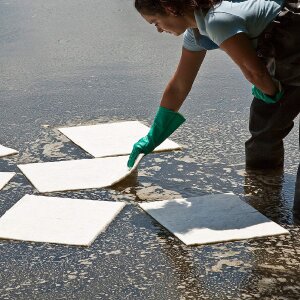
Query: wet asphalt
x,y
66,63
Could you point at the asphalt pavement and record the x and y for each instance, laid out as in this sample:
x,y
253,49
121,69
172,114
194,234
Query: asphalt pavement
x,y
67,63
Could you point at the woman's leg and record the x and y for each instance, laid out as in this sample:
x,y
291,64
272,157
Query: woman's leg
x,y
269,124
279,49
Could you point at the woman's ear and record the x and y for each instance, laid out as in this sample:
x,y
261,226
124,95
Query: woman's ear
x,y
170,11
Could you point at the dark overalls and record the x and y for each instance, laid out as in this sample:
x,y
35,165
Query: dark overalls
x,y
279,48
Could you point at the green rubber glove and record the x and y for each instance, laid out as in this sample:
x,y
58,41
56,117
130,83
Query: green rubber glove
x,y
267,99
165,123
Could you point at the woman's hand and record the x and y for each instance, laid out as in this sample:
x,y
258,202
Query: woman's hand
x,y
258,94
165,123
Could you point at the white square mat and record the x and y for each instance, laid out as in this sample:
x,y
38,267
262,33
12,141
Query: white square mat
x,y
77,174
6,151
111,139
58,220
211,219
5,177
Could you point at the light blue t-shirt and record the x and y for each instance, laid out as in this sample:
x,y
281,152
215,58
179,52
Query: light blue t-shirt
x,y
229,18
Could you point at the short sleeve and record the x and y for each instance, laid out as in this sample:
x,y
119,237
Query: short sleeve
x,y
189,41
221,26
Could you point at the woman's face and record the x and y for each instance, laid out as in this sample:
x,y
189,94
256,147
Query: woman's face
x,y
168,23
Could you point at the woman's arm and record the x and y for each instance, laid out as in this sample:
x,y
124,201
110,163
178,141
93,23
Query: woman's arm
x,y
181,83
240,49
167,119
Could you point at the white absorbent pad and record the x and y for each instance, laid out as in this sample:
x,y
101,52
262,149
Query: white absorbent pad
x,y
5,177
77,174
112,139
58,220
211,219
6,151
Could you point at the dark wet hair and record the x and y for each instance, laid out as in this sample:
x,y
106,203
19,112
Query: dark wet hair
x,y
178,7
